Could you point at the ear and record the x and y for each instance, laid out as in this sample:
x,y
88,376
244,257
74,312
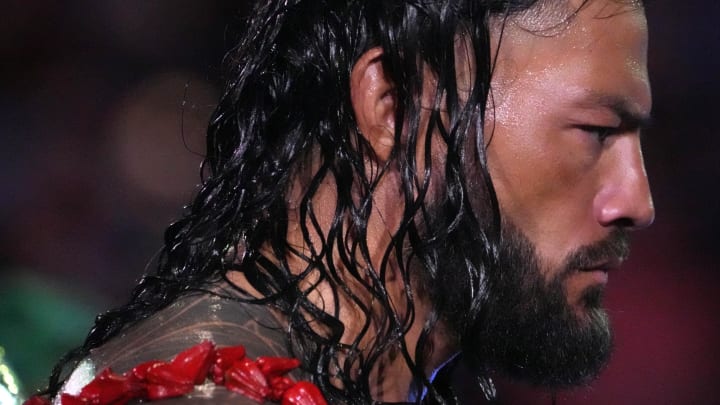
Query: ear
x,y
373,101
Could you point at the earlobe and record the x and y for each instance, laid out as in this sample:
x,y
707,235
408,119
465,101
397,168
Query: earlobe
x,y
374,102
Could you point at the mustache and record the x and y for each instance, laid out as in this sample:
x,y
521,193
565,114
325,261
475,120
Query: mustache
x,y
616,246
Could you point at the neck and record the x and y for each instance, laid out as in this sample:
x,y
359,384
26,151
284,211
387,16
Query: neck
x,y
390,379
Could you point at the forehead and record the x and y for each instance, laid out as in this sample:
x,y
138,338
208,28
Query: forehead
x,y
551,16
554,28
566,53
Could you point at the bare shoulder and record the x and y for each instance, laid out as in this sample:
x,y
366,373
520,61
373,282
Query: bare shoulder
x,y
188,322
210,395
185,323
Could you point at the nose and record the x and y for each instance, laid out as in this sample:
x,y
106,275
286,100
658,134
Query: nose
x,y
625,199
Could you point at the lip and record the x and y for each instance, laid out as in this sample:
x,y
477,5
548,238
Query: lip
x,y
605,266
599,271
596,275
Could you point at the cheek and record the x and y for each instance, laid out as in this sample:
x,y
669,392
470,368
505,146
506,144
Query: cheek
x,y
544,181
534,164
534,161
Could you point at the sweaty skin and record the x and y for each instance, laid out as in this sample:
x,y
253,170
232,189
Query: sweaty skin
x,y
563,183
565,154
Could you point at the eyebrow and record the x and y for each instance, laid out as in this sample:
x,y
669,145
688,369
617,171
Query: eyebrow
x,y
629,114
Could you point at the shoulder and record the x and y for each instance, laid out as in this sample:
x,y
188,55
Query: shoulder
x,y
189,321
210,395
185,323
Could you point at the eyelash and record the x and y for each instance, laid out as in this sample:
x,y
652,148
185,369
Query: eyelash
x,y
602,132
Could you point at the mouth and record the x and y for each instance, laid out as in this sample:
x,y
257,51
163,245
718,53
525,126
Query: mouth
x,y
610,264
599,271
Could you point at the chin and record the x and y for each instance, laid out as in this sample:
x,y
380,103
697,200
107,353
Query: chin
x,y
537,337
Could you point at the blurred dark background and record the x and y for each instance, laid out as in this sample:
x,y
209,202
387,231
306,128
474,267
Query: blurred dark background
x,y
103,105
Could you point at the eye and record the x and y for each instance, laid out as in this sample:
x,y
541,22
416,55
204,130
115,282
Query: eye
x,y
600,133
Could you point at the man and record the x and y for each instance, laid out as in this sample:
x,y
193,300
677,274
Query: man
x,y
392,186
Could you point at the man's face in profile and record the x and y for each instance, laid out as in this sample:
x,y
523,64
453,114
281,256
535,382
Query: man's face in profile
x,y
562,128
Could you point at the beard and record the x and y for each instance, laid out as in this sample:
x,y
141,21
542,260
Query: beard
x,y
525,327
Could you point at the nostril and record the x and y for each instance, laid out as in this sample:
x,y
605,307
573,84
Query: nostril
x,y
624,222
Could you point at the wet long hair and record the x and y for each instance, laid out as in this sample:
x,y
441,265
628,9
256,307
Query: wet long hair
x,y
287,101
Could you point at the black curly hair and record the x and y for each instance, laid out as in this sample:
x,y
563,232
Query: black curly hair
x,y
287,99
